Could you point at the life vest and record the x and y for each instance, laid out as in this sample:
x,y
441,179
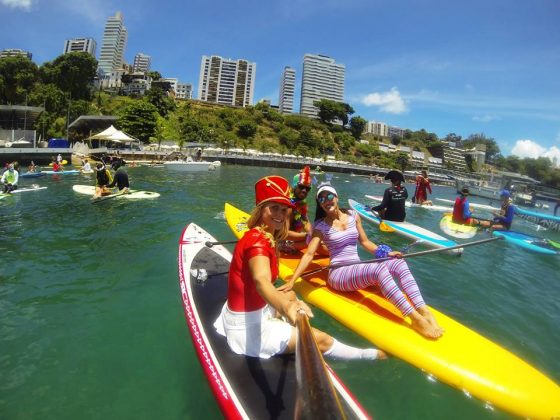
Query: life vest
x,y
10,176
458,215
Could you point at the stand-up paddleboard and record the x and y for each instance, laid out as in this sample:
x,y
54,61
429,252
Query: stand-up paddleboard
x,y
131,195
531,243
69,172
546,220
461,357
31,175
244,387
456,230
408,230
473,205
22,190
410,204
84,171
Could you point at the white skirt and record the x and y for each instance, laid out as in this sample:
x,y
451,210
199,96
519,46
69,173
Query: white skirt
x,y
256,333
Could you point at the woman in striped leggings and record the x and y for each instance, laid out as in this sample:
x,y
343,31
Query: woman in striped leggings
x,y
341,230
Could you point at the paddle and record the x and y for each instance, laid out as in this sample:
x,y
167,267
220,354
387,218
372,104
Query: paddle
x,y
107,197
316,395
382,225
414,254
211,244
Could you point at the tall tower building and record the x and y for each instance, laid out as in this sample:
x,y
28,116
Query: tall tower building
x,y
80,45
226,81
142,63
111,57
287,90
322,79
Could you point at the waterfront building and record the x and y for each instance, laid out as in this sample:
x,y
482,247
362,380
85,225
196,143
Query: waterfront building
x,y
87,45
226,81
15,52
377,128
322,78
111,56
183,91
287,90
142,63
454,157
395,131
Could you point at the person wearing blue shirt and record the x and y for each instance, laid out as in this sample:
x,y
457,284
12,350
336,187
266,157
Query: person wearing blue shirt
x,y
504,218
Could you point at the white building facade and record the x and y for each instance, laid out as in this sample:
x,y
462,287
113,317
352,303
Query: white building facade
x,y
15,52
287,90
111,56
226,81
183,91
377,128
322,78
142,63
87,45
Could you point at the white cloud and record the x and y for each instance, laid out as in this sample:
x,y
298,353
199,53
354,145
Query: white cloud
x,y
390,102
485,118
22,4
531,149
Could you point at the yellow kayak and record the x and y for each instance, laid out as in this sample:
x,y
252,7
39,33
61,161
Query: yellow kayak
x,y
63,162
461,358
456,230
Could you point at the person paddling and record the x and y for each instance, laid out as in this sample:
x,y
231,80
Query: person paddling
x,y
462,211
423,186
503,219
341,230
250,318
102,180
121,179
392,206
10,179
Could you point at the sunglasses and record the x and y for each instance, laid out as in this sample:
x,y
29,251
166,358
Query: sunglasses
x,y
328,197
304,188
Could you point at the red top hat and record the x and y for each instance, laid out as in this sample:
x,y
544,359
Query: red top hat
x,y
273,188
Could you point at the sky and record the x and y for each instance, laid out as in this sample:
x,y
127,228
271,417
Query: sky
x,y
477,66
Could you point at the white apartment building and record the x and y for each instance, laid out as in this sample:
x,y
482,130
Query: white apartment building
x,y
87,45
15,52
377,128
183,91
226,81
395,131
111,56
173,82
142,63
287,90
322,78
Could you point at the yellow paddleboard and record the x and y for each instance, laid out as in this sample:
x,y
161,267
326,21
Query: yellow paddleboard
x,y
461,358
456,230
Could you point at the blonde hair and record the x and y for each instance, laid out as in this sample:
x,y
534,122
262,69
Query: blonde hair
x,y
255,221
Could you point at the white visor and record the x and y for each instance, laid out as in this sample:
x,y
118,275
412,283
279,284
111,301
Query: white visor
x,y
328,188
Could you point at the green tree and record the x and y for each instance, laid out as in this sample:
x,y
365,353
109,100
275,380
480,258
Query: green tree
x,y
155,75
492,148
17,77
246,128
329,111
402,160
288,138
357,126
159,98
72,73
139,119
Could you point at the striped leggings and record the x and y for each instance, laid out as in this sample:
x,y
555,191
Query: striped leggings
x,y
360,276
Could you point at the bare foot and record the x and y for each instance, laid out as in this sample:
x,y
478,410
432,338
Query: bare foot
x,y
381,355
425,312
423,326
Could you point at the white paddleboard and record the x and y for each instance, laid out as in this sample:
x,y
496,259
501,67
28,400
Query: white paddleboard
x,y
134,194
410,204
21,190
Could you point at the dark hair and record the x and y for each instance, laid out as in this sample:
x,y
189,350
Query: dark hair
x,y
320,213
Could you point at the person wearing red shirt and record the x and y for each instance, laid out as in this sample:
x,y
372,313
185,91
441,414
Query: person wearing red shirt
x,y
251,319
423,186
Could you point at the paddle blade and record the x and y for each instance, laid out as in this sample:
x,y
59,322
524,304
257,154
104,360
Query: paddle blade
x,y
384,227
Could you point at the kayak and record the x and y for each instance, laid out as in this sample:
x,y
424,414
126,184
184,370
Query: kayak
x,y
31,175
133,194
473,205
408,230
531,243
22,190
461,358
410,204
241,385
69,172
456,230
546,220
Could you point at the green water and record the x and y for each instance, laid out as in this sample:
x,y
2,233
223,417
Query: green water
x,y
92,325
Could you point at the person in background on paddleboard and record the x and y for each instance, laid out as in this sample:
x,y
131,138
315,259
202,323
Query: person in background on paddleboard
x,y
392,206
462,211
250,318
120,179
504,218
86,167
423,186
341,230
102,180
10,179
56,167
59,159
32,167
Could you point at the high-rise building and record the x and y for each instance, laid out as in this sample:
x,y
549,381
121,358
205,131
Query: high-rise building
x,y
226,81
322,78
183,91
15,52
287,90
142,63
80,45
111,57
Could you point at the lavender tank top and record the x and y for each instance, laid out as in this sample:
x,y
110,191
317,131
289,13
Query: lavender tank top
x,y
343,245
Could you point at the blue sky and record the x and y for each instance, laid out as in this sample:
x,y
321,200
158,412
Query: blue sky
x,y
466,67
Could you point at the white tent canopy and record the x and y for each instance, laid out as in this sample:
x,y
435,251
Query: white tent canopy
x,y
104,134
112,134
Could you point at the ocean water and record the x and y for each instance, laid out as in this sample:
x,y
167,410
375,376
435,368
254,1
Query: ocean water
x,y
92,326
